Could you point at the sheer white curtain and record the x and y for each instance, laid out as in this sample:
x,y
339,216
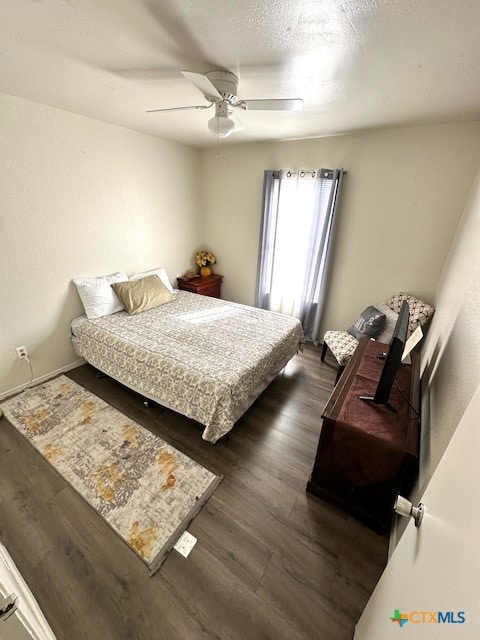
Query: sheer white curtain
x,y
297,225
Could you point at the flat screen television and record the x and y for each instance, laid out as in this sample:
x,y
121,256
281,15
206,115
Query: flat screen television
x,y
393,359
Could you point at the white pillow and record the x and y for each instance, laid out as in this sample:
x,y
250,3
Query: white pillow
x,y
160,272
390,322
97,295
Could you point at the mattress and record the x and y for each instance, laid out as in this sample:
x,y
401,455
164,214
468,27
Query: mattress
x,y
206,358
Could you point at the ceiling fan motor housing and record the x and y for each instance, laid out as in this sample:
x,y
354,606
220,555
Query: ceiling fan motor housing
x,y
221,109
226,84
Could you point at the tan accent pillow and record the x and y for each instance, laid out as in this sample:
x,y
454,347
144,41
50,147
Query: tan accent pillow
x,y
142,295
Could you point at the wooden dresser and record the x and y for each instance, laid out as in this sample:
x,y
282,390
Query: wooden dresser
x,y
366,453
209,286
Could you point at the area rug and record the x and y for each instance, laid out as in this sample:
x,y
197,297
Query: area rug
x,y
146,490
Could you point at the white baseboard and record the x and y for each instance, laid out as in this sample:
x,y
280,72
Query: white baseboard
x,y
44,378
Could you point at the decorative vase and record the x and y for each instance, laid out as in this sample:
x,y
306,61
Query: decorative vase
x,y
205,271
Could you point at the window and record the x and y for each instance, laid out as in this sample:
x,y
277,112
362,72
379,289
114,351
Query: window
x,y
297,225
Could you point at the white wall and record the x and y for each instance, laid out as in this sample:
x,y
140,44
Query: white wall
x,y
402,200
81,198
450,392
451,353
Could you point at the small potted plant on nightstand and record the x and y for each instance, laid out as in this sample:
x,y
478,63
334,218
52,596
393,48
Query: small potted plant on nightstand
x,y
204,259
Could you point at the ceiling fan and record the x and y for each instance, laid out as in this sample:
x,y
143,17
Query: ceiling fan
x,y
220,88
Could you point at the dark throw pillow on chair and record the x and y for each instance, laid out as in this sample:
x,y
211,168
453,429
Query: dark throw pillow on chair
x,y
369,324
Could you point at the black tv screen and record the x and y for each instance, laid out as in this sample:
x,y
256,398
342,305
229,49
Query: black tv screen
x,y
393,360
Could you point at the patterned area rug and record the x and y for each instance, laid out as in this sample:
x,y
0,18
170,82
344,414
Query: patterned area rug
x,y
146,490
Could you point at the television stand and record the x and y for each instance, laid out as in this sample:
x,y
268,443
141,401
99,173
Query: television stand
x,y
366,454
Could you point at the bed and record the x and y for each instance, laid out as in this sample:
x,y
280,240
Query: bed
x,y
205,358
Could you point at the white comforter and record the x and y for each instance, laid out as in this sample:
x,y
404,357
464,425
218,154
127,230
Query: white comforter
x,y
205,358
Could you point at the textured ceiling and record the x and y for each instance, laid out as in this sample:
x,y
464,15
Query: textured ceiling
x,y
356,63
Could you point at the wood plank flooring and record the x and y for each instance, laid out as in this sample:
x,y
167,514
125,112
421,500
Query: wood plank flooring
x,y
271,561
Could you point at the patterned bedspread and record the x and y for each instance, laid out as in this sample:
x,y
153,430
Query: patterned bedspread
x,y
205,358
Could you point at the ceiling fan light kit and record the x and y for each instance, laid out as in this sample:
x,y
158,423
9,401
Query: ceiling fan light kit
x,y
221,125
221,89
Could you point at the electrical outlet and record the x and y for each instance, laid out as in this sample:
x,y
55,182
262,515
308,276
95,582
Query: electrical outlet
x,y
185,544
21,352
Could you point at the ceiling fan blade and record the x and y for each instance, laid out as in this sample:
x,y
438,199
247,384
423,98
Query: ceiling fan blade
x,y
294,104
203,84
198,106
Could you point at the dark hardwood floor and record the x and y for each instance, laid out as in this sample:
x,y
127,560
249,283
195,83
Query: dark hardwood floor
x,y
271,561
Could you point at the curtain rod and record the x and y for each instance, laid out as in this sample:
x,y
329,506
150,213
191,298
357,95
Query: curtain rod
x,y
304,172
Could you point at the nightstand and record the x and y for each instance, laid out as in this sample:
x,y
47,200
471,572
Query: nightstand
x,y
209,286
